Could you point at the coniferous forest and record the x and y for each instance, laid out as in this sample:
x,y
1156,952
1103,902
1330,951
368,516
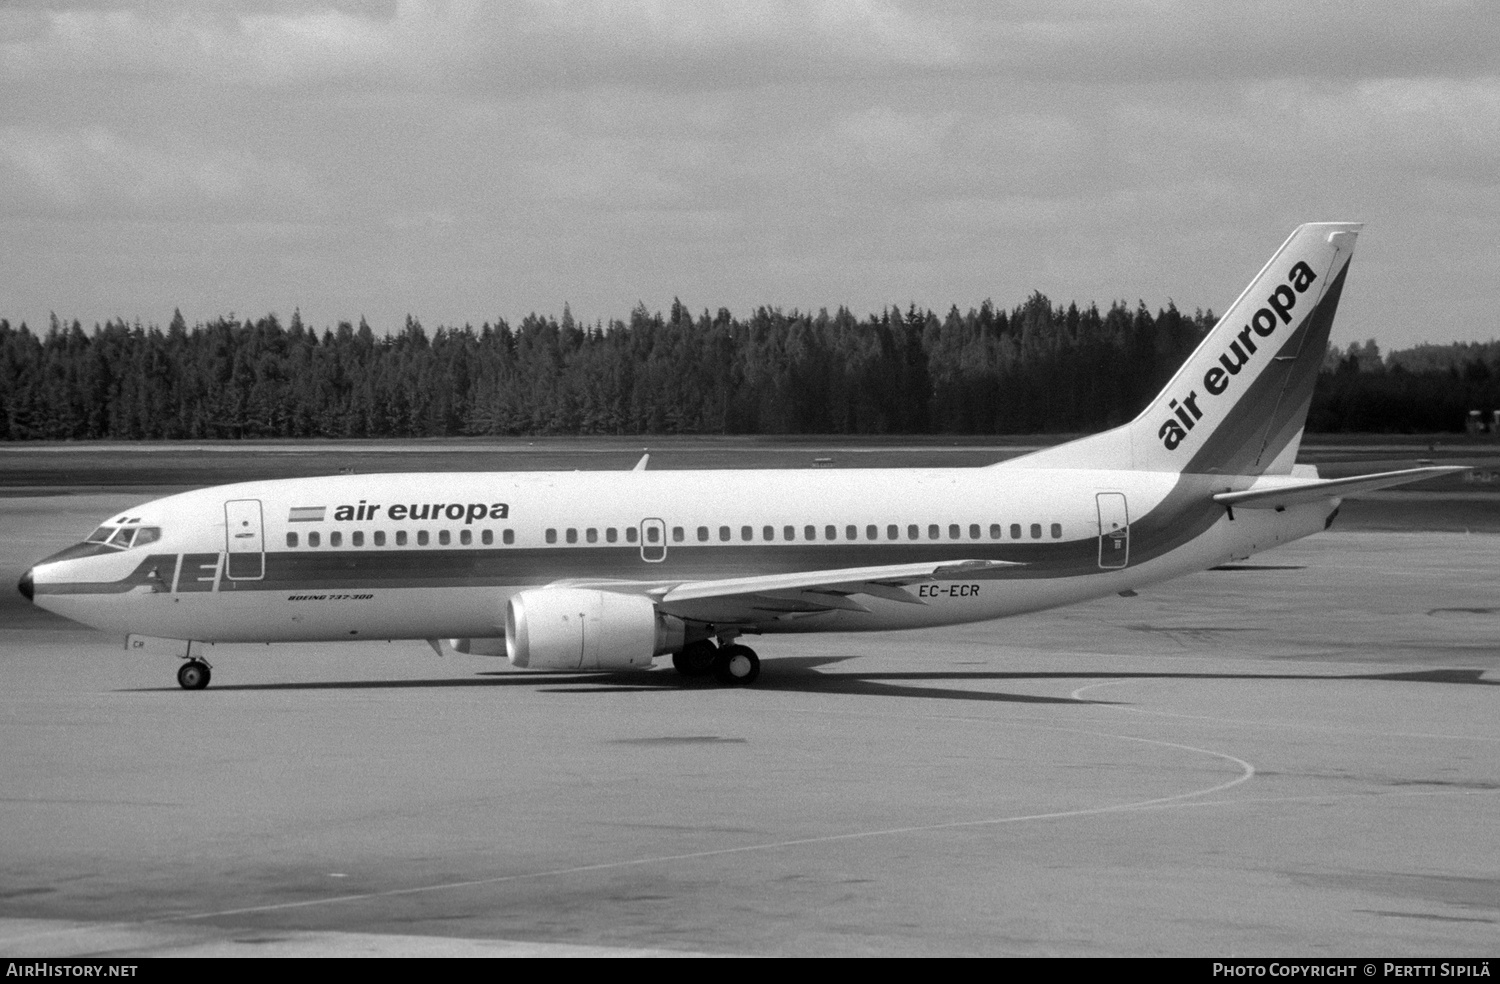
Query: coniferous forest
x,y
1037,368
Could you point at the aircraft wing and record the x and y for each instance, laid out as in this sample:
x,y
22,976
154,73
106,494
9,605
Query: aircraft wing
x,y
765,597
772,596
1313,490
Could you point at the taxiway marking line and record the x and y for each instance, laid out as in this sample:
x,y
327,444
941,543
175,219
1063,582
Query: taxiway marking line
x,y
1247,771
1429,736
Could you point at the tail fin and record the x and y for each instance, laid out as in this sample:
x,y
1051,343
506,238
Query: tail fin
x,y
1239,403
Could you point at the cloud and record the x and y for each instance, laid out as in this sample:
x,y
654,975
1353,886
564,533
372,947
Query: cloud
x,y
94,170
518,43
838,151
524,45
239,45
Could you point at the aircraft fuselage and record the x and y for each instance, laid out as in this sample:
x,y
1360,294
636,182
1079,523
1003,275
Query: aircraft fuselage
x,y
438,555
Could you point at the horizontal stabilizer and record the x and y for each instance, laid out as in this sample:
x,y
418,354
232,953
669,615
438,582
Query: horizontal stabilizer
x,y
1294,492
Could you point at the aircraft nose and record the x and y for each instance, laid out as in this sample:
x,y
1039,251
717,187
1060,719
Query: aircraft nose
x,y
26,588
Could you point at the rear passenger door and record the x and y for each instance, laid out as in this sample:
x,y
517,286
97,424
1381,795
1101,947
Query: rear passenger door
x,y
1114,530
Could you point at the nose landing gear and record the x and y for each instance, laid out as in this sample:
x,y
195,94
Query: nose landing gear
x,y
193,675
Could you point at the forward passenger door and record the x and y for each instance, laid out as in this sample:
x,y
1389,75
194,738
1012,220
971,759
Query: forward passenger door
x,y
244,540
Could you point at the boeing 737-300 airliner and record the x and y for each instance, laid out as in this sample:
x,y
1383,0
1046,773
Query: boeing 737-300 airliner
x,y
609,570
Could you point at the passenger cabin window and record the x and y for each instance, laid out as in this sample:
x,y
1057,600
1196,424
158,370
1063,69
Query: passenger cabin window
x,y
1057,531
747,533
552,536
789,533
703,534
486,537
380,538
400,538
973,531
358,538
312,539
850,533
443,537
893,532
630,534
421,538
723,534
611,535
335,539
591,535
572,535
466,537
953,533
1036,531
932,532
678,535
652,534
871,533
912,532
995,531
509,536
829,533
291,539
1015,531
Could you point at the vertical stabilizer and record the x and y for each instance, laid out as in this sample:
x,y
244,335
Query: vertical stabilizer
x,y
1238,404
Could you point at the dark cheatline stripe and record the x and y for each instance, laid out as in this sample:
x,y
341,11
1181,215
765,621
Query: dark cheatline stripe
x,y
161,564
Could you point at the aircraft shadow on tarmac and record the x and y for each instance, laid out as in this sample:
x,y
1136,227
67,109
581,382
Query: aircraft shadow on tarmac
x,y
793,674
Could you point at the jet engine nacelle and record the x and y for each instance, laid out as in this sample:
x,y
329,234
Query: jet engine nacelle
x,y
582,629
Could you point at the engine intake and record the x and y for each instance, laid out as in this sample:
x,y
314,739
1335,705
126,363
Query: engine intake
x,y
583,629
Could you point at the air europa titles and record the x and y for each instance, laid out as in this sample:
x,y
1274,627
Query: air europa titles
x,y
1265,321
466,511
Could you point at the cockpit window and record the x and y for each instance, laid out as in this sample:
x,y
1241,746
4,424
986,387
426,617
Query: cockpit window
x,y
125,537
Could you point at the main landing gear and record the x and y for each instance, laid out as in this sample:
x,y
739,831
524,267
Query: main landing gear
x,y
736,666
193,675
732,665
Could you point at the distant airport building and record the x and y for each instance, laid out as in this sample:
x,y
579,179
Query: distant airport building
x,y
1478,424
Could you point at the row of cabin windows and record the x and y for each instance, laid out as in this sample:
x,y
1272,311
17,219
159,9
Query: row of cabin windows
x,y
893,531
444,538
872,532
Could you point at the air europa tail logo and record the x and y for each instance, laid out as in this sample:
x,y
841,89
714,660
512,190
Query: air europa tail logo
x,y
1276,312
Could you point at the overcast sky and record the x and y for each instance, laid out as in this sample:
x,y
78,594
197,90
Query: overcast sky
x,y
468,161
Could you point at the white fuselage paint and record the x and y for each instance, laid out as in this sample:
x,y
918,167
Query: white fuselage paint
x,y
189,595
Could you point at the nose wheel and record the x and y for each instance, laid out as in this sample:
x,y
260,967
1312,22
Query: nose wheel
x,y
193,675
